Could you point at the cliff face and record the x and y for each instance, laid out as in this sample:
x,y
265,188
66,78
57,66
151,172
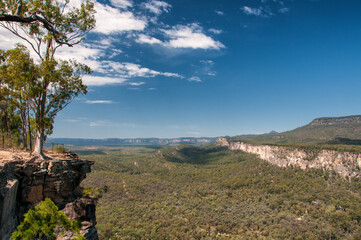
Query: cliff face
x,y
347,164
25,181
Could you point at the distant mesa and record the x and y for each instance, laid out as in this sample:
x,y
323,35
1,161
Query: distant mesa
x,y
336,120
325,130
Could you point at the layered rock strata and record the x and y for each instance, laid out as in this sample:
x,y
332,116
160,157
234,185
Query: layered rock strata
x,y
346,164
25,181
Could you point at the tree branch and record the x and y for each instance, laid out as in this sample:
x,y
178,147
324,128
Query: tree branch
x,y
36,18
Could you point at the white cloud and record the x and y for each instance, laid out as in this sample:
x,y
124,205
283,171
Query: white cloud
x,y
110,20
215,31
168,74
99,101
194,79
80,52
98,123
136,83
128,70
101,81
220,13
104,43
147,39
157,7
252,11
190,36
121,3
260,12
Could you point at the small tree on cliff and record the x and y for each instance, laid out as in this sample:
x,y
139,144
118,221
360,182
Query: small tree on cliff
x,y
41,222
47,25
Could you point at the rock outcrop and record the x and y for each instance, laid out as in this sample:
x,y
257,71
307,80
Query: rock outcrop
x,y
25,181
346,164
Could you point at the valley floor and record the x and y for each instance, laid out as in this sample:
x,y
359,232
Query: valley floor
x,y
210,192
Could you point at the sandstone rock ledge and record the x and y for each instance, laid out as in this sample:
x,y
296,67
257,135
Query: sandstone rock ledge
x,y
26,180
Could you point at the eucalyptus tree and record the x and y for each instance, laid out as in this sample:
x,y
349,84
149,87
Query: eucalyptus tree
x,y
5,108
47,25
20,75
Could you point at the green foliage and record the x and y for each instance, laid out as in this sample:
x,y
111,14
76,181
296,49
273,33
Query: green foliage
x,y
213,193
40,223
46,26
19,75
44,20
95,193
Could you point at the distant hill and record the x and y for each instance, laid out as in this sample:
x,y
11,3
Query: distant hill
x,y
132,141
332,130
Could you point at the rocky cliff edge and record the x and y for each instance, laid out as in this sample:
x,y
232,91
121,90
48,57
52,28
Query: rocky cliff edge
x,y
27,180
346,164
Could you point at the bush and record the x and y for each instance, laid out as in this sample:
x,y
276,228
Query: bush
x,y
59,149
40,223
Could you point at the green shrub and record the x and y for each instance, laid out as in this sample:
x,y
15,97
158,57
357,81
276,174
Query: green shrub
x,y
59,149
40,223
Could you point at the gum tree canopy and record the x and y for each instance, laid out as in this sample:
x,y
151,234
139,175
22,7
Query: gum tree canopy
x,y
47,25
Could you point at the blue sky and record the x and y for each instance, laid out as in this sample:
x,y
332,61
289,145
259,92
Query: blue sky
x,y
212,68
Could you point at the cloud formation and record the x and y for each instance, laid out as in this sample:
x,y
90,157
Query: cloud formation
x,y
136,83
110,20
107,71
215,31
194,79
157,7
129,70
121,3
184,36
123,16
190,36
260,11
142,38
101,81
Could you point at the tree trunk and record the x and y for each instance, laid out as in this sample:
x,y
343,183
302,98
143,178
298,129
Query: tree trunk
x,y
38,143
29,132
3,137
23,126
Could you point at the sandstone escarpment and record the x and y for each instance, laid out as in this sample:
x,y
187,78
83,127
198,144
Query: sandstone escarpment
x,y
347,164
25,181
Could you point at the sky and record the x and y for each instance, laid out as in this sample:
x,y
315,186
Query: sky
x,y
206,68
